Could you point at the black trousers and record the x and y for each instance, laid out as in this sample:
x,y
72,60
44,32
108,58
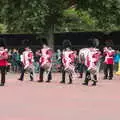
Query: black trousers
x,y
88,77
42,70
64,74
81,67
108,70
3,72
23,72
20,65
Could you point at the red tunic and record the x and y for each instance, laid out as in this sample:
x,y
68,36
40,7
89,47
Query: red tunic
x,y
3,61
109,56
27,58
46,55
68,59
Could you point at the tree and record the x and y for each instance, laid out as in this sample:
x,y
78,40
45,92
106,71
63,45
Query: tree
x,y
3,16
26,16
32,16
48,16
106,12
78,20
3,28
54,17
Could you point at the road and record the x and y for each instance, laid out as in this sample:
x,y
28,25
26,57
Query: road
x,y
54,101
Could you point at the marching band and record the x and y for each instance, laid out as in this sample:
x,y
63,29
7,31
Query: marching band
x,y
88,57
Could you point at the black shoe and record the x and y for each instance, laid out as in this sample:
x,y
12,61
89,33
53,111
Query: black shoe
x,y
62,81
48,81
81,76
31,80
110,78
94,84
2,84
105,78
20,79
40,81
84,83
70,82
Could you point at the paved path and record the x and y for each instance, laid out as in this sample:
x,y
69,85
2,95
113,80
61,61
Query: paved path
x,y
53,101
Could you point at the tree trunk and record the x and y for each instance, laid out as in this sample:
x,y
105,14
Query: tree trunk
x,y
51,37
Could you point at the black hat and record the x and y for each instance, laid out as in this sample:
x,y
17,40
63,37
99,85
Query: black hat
x,y
109,43
66,44
26,42
2,42
93,42
44,41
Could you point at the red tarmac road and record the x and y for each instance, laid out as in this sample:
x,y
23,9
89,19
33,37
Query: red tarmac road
x,y
54,101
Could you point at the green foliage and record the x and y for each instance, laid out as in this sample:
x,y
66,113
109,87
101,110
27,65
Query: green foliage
x,y
106,12
35,16
87,21
71,20
3,28
78,20
26,16
55,12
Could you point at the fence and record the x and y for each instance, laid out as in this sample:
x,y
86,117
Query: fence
x,y
78,39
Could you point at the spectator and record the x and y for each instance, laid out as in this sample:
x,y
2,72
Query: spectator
x,y
116,60
58,60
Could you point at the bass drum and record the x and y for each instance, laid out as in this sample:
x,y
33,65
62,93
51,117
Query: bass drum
x,y
46,66
70,69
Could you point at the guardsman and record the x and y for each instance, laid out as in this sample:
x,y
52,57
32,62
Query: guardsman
x,y
108,53
27,59
45,62
90,56
3,63
68,60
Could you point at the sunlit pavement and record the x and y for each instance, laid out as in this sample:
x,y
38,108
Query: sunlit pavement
x,y
54,101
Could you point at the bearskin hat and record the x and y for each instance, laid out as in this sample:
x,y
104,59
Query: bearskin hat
x,y
93,42
2,42
27,42
66,44
109,43
44,41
